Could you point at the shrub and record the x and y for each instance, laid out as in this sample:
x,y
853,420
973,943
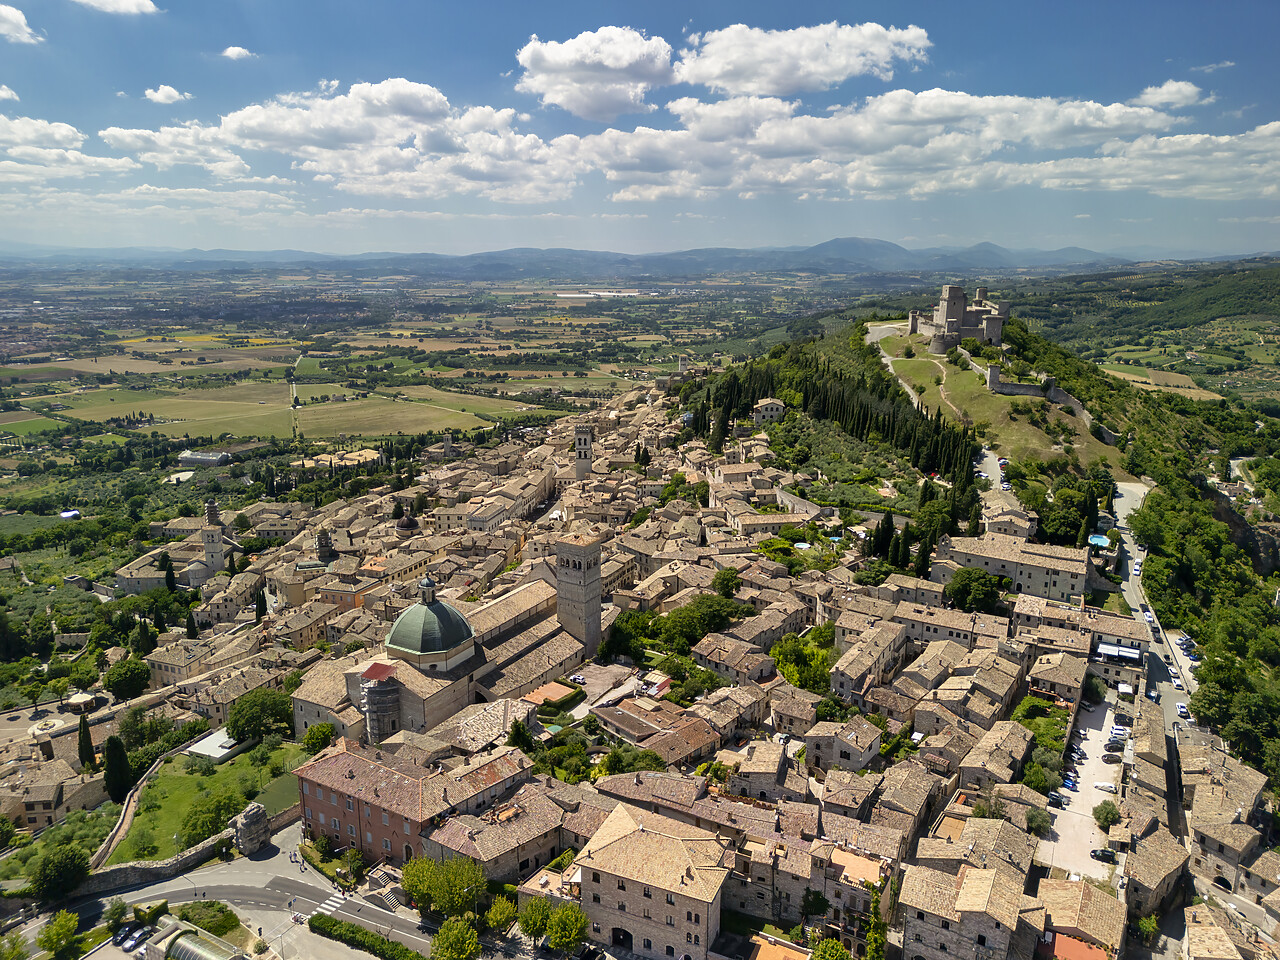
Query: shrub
x,y
211,915
357,936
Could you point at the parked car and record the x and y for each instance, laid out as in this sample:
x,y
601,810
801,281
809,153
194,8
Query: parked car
x,y
1088,707
1154,695
1114,746
1056,800
1119,733
1106,786
1193,656
1105,854
578,678
124,932
1173,672
1168,658
136,938
1149,617
1183,712
1177,685
1112,758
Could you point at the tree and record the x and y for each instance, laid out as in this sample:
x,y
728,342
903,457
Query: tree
x,y
726,582
829,948
1148,926
209,815
259,607
502,913
1039,822
415,877
455,940
85,743
534,918
259,713
318,737
1106,814
33,692
520,737
813,904
59,934
1095,690
567,928
14,947
83,675
58,871
58,688
127,679
973,589
877,930
114,913
118,775
455,885
193,631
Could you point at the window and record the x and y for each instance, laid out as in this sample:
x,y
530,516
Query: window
x,y
308,813
942,947
622,884
648,944
386,819
368,837
671,898
688,938
595,928
333,799
982,939
386,844
322,819
671,951
595,898
306,788
351,829
366,811
688,915
595,877
946,924
671,921
647,894
696,939
622,906
646,914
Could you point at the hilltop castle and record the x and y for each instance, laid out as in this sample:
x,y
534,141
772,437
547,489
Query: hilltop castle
x,y
954,319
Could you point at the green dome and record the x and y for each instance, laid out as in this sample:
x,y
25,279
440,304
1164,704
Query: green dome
x,y
429,626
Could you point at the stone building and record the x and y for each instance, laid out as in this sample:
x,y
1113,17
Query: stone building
x,y
955,319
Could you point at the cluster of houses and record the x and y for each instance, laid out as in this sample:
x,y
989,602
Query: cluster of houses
x,y
423,635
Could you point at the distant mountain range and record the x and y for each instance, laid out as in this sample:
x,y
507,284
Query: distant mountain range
x,y
842,256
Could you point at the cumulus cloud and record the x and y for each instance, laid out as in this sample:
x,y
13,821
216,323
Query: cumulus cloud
x,y
30,132
747,60
121,6
237,53
1171,93
7,93
165,94
598,74
13,26
1212,67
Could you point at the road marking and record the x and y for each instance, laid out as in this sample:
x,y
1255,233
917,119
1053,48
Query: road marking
x,y
329,905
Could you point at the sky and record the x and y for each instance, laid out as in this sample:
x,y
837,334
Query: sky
x,y
418,126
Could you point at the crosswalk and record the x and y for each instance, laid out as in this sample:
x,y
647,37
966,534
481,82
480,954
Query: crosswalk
x,y
329,905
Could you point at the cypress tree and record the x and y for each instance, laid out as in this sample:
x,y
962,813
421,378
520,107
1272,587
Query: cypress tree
x,y
118,775
85,744
193,631
260,607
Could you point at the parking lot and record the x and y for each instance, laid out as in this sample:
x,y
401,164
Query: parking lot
x,y
1074,832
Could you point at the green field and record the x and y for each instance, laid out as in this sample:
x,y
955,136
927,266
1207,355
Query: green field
x,y
176,790
34,425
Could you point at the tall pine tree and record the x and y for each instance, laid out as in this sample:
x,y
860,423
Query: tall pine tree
x,y
85,744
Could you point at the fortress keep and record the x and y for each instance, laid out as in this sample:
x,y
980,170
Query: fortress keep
x,y
954,319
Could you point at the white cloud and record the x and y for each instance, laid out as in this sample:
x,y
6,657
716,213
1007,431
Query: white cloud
x,y
13,26
165,94
237,53
1171,93
121,6
6,93
30,132
747,60
187,145
1212,67
598,74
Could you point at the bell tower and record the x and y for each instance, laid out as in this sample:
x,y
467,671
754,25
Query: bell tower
x,y
578,589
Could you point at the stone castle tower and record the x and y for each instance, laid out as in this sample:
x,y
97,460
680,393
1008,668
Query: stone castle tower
x,y
582,438
578,589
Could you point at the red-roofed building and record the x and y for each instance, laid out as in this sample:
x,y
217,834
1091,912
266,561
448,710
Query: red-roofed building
x,y
1056,946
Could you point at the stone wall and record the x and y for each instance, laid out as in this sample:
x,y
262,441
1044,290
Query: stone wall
x,y
285,817
1048,389
124,875
796,504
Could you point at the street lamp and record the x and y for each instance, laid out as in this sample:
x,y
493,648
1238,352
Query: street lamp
x,y
177,850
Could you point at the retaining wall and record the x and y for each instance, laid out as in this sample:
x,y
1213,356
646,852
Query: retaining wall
x,y
1048,389
139,872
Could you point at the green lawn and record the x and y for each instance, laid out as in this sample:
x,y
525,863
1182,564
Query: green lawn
x,y
34,425
172,791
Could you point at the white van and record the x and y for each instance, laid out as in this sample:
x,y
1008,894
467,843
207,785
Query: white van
x,y
1105,786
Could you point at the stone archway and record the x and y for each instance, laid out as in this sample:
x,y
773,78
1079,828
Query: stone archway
x,y
622,938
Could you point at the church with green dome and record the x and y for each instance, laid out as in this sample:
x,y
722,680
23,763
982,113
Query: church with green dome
x,y
432,634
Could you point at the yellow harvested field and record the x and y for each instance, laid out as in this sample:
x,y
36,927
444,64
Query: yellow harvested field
x,y
1145,378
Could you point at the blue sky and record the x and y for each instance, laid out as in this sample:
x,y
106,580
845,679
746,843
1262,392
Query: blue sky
x,y
451,128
